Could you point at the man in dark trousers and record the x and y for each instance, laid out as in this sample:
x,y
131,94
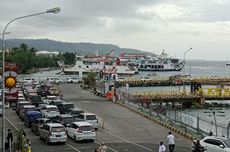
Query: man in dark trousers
x,y
171,141
9,137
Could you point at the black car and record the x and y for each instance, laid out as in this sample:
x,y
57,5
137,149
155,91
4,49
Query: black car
x,y
36,100
38,124
64,108
42,91
64,119
75,111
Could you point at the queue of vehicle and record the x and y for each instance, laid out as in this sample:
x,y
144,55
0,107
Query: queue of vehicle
x,y
51,118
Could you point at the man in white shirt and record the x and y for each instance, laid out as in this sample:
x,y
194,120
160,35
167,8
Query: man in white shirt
x,y
162,147
171,142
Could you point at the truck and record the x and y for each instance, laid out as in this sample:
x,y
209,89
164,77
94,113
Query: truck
x,y
31,117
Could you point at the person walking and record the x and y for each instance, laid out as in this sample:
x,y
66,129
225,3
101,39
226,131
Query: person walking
x,y
103,147
162,147
171,141
9,138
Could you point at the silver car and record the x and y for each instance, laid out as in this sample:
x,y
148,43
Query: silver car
x,y
53,133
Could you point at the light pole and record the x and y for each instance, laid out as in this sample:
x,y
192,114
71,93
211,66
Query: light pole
x,y
184,67
54,11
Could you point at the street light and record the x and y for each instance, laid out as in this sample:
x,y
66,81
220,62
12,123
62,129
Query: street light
x,y
184,66
54,11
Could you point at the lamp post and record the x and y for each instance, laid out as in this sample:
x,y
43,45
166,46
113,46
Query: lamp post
x,y
184,67
54,11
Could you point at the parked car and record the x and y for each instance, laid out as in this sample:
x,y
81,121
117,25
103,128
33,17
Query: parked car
x,y
36,100
20,104
28,80
65,107
56,102
50,111
53,133
81,131
75,111
53,90
42,91
73,80
64,119
89,117
215,144
54,80
24,109
31,117
35,126
48,99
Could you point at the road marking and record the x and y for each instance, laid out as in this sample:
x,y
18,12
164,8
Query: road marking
x,y
73,147
11,123
126,140
107,147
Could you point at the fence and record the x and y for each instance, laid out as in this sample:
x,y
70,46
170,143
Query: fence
x,y
195,125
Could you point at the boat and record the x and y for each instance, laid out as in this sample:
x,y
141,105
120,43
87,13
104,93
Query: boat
x,y
160,63
228,64
105,64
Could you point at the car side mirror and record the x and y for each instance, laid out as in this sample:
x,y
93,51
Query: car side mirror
x,y
221,146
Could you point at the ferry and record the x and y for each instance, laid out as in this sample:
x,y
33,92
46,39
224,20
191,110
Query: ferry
x,y
160,63
105,64
228,64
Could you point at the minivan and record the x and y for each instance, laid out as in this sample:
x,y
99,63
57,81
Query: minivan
x,y
89,117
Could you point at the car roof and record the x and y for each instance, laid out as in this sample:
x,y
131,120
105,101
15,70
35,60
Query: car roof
x,y
65,116
75,109
23,102
54,125
29,106
50,106
82,123
87,113
214,137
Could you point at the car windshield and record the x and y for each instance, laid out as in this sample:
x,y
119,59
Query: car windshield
x,y
36,98
227,142
91,117
52,109
77,112
86,128
30,109
68,106
57,129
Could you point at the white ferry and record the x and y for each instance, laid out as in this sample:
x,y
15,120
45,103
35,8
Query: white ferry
x,y
160,63
105,64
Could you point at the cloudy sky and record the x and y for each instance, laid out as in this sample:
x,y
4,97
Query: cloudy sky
x,y
150,25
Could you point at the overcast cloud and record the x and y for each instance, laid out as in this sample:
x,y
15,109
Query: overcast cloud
x,y
150,25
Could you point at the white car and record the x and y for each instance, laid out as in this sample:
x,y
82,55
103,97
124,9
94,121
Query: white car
x,y
28,80
54,80
215,144
53,133
90,118
145,78
49,111
73,80
81,131
48,99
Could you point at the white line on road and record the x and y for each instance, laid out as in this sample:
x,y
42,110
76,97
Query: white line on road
x,y
125,140
107,147
73,147
11,123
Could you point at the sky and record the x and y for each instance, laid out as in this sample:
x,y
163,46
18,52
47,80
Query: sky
x,y
150,25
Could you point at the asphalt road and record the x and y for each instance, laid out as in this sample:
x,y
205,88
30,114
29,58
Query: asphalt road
x,y
124,131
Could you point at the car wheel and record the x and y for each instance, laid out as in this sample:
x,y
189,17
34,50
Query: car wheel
x,y
38,133
92,140
47,141
75,139
40,137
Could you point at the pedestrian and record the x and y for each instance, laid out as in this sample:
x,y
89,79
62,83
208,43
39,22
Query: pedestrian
x,y
9,137
171,141
162,147
103,147
198,147
96,150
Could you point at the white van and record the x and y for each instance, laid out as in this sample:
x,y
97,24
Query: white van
x,y
90,118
